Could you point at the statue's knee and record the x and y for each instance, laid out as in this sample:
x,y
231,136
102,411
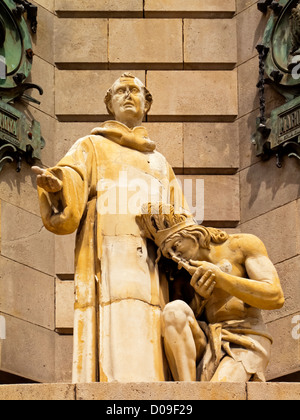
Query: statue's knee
x,y
176,314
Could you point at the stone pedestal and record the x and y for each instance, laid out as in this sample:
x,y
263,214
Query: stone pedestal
x,y
159,391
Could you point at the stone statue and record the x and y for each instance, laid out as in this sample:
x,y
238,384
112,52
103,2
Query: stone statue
x,y
213,328
98,189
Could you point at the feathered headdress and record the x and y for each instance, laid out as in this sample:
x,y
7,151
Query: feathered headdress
x,y
159,221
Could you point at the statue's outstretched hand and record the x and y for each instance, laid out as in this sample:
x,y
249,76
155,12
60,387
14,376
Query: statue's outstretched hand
x,y
46,180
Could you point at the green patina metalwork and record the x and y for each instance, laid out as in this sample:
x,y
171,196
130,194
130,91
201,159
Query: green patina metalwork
x,y
280,134
19,137
17,50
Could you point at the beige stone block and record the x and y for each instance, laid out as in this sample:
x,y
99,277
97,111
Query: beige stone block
x,y
246,128
169,141
27,294
148,41
288,274
64,308
24,239
250,21
42,41
273,391
285,357
28,350
42,74
193,95
19,189
81,41
211,147
47,4
63,358
196,7
265,187
278,230
64,255
103,7
220,199
89,88
67,133
161,391
210,43
244,4
35,392
248,74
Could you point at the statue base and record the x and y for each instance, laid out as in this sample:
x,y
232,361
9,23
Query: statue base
x,y
158,391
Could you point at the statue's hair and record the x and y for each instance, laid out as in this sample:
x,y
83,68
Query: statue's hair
x,y
108,96
156,217
204,236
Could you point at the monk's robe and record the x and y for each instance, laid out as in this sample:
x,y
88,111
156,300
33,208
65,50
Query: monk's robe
x,y
119,291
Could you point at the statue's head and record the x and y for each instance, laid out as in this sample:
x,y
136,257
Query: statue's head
x,y
176,233
128,100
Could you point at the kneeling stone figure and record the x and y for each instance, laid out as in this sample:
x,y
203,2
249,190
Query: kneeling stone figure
x,y
213,328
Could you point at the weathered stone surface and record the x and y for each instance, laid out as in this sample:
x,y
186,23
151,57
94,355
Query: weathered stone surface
x,y
221,198
23,237
47,4
90,86
265,187
67,133
64,255
27,294
42,74
102,6
162,391
25,185
37,392
285,357
28,350
290,285
210,43
64,308
277,229
63,358
201,7
81,41
148,41
211,147
169,141
247,95
243,4
246,128
43,40
251,20
199,96
273,391
152,391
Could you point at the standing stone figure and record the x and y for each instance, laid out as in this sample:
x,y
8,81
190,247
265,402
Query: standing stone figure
x,y
213,329
97,189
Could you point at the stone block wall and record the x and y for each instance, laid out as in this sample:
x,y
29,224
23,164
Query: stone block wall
x,y
30,348
269,196
199,61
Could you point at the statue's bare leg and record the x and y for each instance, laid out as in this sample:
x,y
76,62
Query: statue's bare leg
x,y
230,370
184,340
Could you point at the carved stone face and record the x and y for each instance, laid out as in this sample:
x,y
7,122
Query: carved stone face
x,y
182,248
128,103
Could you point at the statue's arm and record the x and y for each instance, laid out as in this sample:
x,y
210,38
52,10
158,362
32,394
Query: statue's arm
x,y
261,289
63,190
